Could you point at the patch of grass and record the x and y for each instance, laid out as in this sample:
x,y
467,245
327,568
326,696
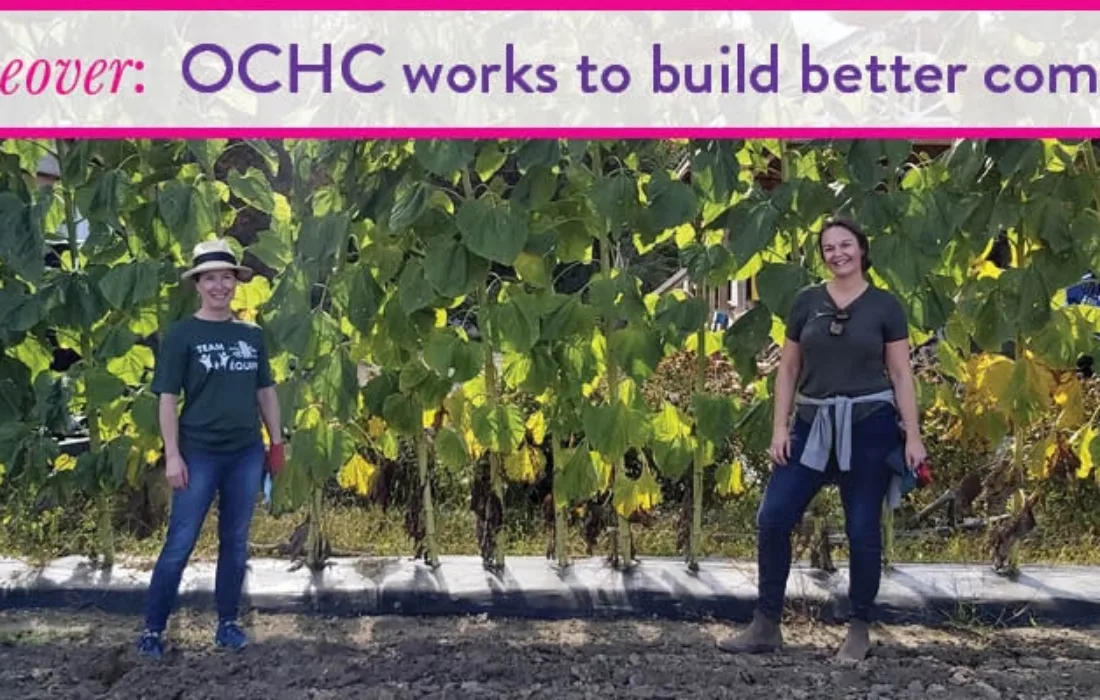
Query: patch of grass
x,y
370,531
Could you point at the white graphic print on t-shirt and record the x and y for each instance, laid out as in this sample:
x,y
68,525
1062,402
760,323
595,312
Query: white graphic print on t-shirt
x,y
237,357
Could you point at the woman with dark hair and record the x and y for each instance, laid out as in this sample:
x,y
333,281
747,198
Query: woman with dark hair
x,y
214,446
845,368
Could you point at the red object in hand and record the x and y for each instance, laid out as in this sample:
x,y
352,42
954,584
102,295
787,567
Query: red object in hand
x,y
924,474
276,458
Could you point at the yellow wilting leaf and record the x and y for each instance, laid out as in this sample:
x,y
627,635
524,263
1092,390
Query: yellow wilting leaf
x,y
602,469
1028,394
309,417
64,463
728,479
376,427
440,318
985,269
536,424
428,417
134,463
633,496
251,296
1040,456
476,448
670,425
524,466
151,456
1086,452
357,475
712,340
684,235
1069,397
991,375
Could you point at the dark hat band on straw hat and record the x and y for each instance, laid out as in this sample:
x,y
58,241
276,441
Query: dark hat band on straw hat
x,y
216,256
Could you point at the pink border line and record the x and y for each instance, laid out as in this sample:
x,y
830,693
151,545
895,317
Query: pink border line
x,y
594,133
543,5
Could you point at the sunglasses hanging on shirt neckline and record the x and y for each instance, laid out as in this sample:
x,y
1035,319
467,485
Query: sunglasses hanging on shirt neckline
x,y
839,318
836,326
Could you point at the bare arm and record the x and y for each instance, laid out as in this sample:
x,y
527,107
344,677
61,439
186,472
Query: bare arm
x,y
901,375
790,364
168,415
269,409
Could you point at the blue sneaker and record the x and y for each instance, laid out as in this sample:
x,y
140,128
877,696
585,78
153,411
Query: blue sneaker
x,y
230,635
150,645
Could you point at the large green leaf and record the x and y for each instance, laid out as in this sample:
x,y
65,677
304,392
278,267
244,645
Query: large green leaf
x,y
320,241
611,429
582,475
714,417
451,269
636,349
538,152
616,197
410,202
444,157
513,324
335,385
190,211
21,240
752,228
746,338
19,310
493,229
364,298
566,317
779,284
414,292
128,286
670,203
498,427
253,188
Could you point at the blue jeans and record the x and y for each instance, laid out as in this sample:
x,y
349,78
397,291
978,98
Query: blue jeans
x,y
235,477
862,490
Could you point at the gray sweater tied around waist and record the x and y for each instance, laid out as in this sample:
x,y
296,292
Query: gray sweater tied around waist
x,y
824,431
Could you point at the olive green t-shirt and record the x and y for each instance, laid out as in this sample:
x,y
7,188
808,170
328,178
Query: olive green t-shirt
x,y
852,363
217,367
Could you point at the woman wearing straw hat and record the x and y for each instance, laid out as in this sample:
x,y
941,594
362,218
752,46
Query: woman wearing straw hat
x,y
214,446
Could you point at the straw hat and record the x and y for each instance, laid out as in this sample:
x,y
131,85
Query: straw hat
x,y
216,255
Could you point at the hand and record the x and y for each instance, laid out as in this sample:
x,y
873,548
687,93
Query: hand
x,y
176,471
915,453
276,458
780,449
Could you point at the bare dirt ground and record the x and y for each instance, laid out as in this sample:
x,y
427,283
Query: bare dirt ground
x,y
90,655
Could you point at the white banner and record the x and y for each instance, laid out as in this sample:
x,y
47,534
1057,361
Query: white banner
x,y
549,69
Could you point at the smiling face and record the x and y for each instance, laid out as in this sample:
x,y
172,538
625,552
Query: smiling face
x,y
216,289
841,251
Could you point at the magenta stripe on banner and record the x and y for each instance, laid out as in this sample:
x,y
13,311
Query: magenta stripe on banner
x,y
547,5
596,133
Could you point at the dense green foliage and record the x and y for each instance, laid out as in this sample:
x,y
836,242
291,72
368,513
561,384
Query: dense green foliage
x,y
485,309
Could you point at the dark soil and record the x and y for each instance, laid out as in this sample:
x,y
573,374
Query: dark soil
x,y
89,655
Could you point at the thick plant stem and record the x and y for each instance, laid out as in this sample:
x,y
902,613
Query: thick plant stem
x,y
560,509
315,555
426,497
700,447
105,530
622,556
496,475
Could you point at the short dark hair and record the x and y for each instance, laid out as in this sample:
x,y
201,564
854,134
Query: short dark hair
x,y
854,229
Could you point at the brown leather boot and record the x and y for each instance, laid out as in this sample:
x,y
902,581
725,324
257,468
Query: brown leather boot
x,y
858,642
760,637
